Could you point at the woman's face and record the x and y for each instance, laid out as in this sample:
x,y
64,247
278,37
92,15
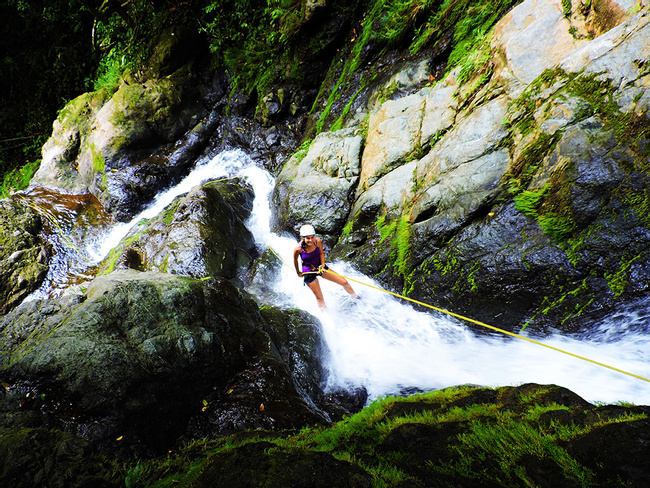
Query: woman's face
x,y
309,239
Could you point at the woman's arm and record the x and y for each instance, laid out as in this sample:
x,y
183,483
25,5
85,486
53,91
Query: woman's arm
x,y
296,253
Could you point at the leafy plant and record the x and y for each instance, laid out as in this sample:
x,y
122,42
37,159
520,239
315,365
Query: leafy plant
x,y
18,178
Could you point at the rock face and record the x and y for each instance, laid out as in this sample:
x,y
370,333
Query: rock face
x,y
516,189
23,256
200,234
317,187
112,143
142,356
516,192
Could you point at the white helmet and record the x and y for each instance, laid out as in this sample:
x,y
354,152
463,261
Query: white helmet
x,y
307,230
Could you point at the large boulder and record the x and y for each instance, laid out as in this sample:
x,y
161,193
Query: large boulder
x,y
130,363
23,255
199,234
319,186
119,145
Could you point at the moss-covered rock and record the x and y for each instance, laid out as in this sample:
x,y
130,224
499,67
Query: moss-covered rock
x,y
530,435
527,199
23,256
131,362
101,140
200,234
42,457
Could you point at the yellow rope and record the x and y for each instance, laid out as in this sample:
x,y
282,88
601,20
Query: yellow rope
x,y
480,323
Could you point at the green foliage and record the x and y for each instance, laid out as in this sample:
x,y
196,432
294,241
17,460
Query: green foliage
x,y
469,20
18,178
133,476
505,442
67,47
253,39
45,58
419,24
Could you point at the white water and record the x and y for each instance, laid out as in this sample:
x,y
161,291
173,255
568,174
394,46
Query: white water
x,y
381,343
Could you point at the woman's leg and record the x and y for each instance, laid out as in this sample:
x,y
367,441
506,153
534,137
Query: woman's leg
x,y
315,287
339,280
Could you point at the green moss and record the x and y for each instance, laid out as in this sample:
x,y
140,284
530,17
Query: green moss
x,y
98,160
421,23
569,301
639,200
169,213
386,229
492,440
338,123
524,168
529,201
401,244
302,150
115,253
450,262
347,230
618,281
630,129
471,279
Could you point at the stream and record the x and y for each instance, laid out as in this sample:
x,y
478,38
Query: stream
x,y
381,342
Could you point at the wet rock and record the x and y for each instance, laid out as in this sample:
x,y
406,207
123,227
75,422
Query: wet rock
x,y
534,36
200,234
393,133
23,255
254,465
145,357
42,457
616,452
118,145
131,357
318,188
527,173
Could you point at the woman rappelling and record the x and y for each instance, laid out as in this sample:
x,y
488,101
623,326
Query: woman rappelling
x,y
312,257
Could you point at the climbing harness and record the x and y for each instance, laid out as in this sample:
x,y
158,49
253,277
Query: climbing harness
x,y
482,324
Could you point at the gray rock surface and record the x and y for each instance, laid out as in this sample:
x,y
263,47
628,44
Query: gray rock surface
x,y
200,234
23,255
538,149
142,353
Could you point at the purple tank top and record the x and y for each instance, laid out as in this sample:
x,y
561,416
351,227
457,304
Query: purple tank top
x,y
310,260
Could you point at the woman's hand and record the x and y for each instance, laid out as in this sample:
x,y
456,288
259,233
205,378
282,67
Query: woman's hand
x,y
299,273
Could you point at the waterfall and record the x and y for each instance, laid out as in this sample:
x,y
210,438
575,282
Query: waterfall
x,y
381,343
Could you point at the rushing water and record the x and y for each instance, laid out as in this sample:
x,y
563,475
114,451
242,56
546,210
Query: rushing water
x,y
382,343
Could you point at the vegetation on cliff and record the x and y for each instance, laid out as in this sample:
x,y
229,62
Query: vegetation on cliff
x,y
71,46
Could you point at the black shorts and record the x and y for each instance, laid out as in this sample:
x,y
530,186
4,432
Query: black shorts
x,y
312,277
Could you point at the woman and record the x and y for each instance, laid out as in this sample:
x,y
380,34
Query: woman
x,y
312,256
